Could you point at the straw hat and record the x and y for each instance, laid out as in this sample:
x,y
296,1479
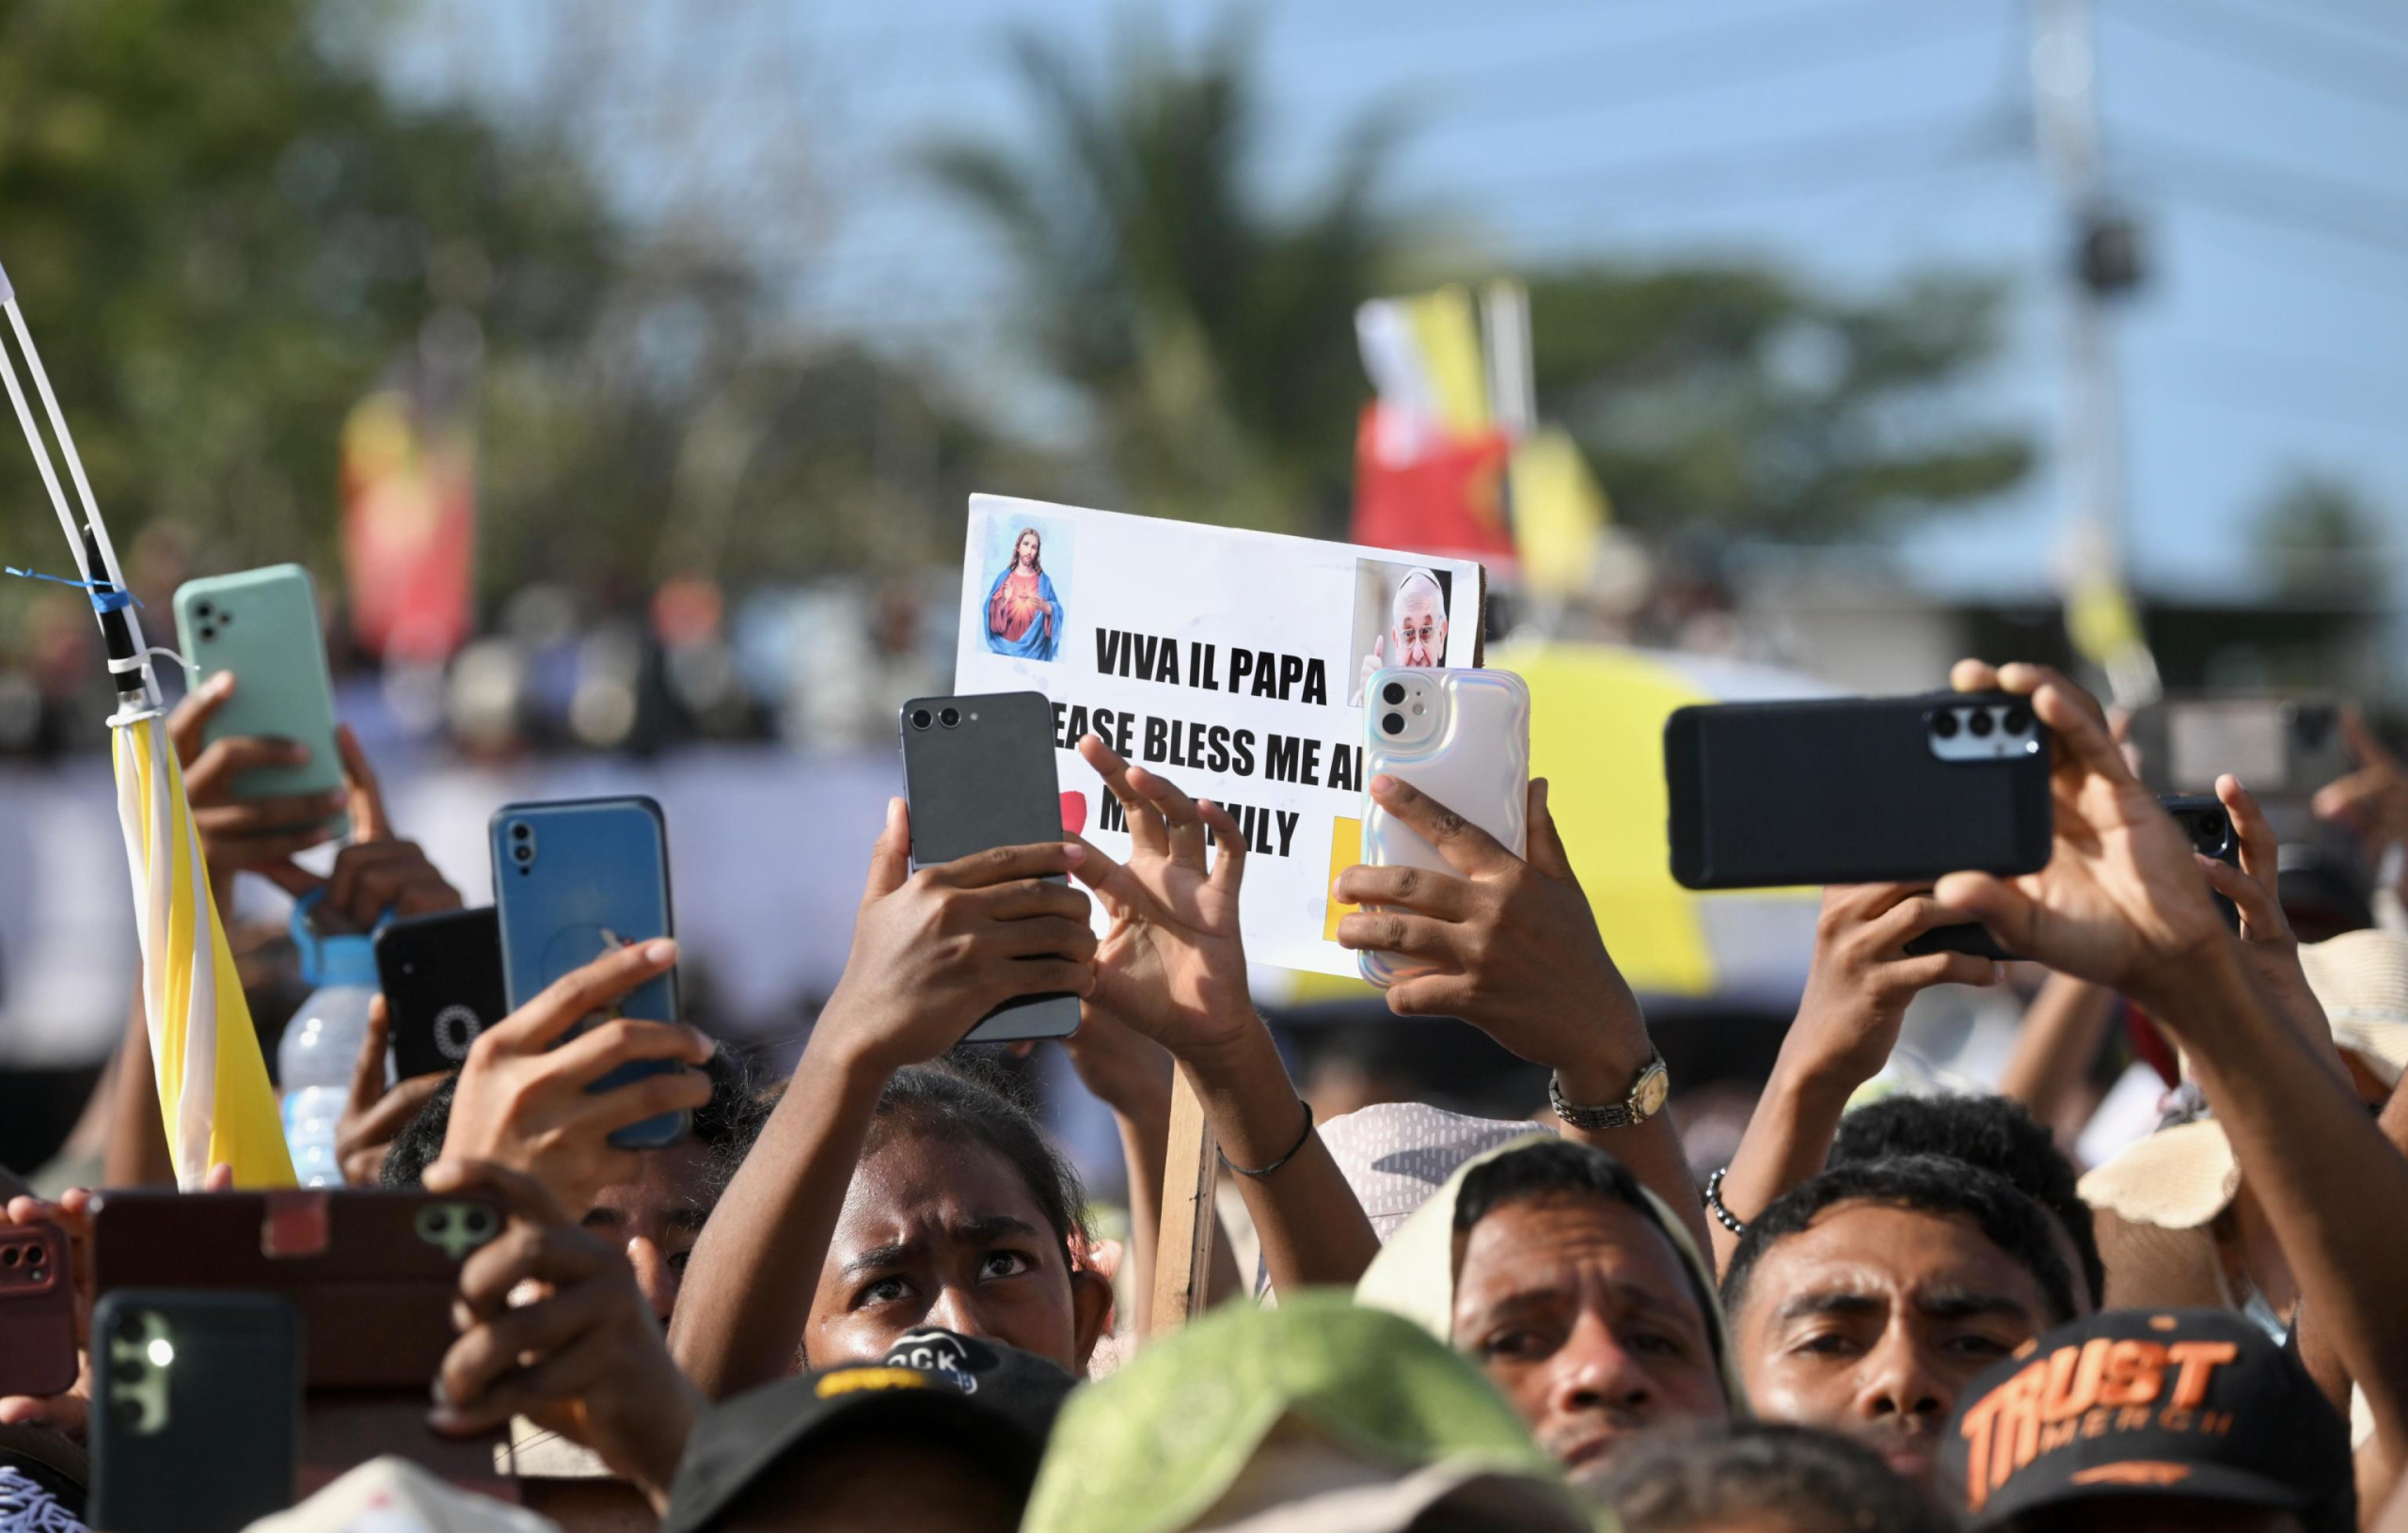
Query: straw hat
x,y
2180,1177
2362,979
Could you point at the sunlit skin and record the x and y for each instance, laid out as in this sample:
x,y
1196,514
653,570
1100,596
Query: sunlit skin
x,y
1870,1322
1580,1312
657,1218
945,1232
1417,635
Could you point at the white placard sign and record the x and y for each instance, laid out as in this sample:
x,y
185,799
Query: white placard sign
x,y
1230,662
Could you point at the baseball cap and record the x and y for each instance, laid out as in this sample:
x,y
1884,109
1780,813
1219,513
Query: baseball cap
x,y
2195,1403
994,1404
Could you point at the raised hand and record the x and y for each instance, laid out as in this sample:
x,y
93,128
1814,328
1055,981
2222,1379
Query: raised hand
x,y
935,950
69,1413
375,1116
2267,943
1862,977
1172,966
1372,663
2121,901
248,835
523,1103
2373,800
585,1359
378,874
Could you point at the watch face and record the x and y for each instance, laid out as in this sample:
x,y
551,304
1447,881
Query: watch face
x,y
1653,1091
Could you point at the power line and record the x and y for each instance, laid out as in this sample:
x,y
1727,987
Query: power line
x,y
2281,196
2209,27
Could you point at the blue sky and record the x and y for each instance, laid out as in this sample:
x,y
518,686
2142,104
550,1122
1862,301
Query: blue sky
x,y
2263,142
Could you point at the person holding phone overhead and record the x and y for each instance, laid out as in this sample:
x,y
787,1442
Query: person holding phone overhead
x,y
1024,614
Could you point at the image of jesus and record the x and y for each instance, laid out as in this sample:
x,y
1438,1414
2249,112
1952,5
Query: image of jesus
x,y
1416,633
1023,615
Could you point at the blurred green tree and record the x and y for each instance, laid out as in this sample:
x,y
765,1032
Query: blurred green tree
x,y
2320,538
1736,399
1211,332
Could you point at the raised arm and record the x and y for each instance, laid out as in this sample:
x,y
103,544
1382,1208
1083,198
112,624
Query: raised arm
x,y
2121,903
1516,954
1857,993
1173,968
933,952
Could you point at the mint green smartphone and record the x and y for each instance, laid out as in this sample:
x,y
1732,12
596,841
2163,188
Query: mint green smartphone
x,y
263,625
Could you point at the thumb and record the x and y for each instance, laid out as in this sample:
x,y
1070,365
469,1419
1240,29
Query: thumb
x,y
2007,912
192,715
1547,852
2368,750
890,860
291,877
369,821
220,1177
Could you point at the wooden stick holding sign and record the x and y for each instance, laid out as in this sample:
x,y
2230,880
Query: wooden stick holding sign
x,y
1191,1180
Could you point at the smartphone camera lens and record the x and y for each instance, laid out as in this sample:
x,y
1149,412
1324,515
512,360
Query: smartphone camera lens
x,y
1393,694
524,854
1944,725
1981,723
920,719
10,1257
522,831
949,718
207,632
127,1370
2210,833
1393,723
204,610
2018,719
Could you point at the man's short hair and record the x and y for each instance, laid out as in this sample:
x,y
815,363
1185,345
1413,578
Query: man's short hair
x,y
1992,1132
1932,1184
1559,1167
1736,1472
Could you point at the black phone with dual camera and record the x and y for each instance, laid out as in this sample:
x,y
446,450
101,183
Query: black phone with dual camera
x,y
977,774
1856,790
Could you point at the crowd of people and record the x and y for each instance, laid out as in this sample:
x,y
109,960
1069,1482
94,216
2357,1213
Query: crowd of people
x,y
871,1296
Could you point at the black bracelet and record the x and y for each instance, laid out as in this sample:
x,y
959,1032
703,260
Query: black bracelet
x,y
1284,1159
1714,1204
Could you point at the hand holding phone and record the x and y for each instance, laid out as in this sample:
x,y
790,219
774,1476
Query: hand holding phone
x,y
40,1343
256,646
527,1096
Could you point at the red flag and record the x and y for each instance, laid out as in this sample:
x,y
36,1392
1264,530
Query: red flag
x,y
409,528
1430,492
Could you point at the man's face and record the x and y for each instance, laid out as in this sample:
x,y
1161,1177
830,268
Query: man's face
x,y
940,1232
1580,1312
657,1218
1420,635
1870,1322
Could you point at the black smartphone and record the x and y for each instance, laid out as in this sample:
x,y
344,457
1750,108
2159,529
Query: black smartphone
x,y
441,975
979,773
2282,748
196,1410
1856,790
2205,824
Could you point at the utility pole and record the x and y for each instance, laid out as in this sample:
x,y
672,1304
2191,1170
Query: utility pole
x,y
2100,262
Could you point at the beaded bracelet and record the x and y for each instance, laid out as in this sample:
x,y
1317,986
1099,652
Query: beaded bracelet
x,y
1714,1204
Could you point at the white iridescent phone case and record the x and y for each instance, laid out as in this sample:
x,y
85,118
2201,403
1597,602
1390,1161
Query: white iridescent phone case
x,y
1463,738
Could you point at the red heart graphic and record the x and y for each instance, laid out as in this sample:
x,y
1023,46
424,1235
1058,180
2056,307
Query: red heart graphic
x,y
1074,814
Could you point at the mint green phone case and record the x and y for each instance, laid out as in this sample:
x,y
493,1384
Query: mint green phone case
x,y
263,625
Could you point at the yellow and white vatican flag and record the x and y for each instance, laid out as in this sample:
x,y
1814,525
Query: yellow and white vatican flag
x,y
212,1083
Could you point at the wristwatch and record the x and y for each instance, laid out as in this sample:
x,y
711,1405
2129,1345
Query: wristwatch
x,y
1644,1100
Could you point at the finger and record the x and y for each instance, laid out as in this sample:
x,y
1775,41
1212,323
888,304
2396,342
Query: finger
x,y
220,1178
2073,717
192,715
368,1070
2009,915
2262,914
1108,879
1547,854
290,877
1229,846
2365,748
384,877
369,821
383,1122
569,1373
1392,932
221,760
1923,972
521,1196
554,1253
2351,800
578,994
1147,832
2261,852
1184,825
1433,995
478,1360
1025,899
592,1055
1015,977
1418,890
1974,677
606,1113
1914,915
1041,935
1006,864
285,814
1466,848
426,893
890,857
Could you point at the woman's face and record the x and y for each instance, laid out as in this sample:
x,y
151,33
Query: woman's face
x,y
945,1232
1025,550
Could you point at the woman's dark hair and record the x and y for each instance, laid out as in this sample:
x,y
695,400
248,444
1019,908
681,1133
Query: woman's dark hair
x,y
1933,1184
1734,1474
1992,1132
728,1124
962,1098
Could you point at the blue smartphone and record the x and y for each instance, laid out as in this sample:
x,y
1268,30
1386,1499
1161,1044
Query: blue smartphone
x,y
573,879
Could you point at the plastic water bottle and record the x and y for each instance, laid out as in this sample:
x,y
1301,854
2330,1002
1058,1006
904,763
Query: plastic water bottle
x,y
321,1045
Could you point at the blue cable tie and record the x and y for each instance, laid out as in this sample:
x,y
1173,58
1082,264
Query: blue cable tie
x,y
112,600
